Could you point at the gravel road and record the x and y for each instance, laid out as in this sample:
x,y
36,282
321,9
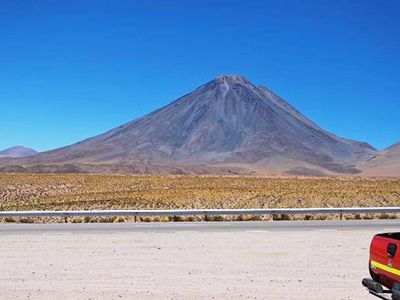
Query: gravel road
x,y
315,263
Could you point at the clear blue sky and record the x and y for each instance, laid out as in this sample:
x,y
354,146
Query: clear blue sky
x,y
73,69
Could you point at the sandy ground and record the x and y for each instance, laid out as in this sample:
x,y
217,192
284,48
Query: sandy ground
x,y
318,264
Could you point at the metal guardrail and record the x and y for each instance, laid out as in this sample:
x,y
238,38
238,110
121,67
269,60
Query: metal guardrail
x,y
196,212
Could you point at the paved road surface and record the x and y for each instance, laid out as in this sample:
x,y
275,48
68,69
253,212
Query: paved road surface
x,y
237,260
107,228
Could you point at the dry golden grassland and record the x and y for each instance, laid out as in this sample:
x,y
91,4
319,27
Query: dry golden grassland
x,y
82,191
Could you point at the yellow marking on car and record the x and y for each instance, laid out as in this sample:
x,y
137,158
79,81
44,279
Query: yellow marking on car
x,y
385,268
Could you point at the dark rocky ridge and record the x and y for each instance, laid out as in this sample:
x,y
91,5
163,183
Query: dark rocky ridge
x,y
225,124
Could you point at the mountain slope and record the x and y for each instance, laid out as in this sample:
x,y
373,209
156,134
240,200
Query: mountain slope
x,y
227,123
383,163
17,151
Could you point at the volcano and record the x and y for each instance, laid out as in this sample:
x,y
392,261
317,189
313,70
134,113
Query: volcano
x,y
17,151
228,125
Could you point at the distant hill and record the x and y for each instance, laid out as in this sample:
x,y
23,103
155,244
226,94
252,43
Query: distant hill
x,y
17,151
383,163
227,125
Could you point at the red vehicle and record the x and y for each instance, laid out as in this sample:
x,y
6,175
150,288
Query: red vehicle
x,y
384,266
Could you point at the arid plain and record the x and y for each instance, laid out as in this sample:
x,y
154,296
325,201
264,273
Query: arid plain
x,y
85,191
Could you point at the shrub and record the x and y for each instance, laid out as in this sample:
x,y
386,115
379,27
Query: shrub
x,y
368,217
308,217
218,218
10,220
164,219
78,220
146,219
26,220
281,217
119,219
